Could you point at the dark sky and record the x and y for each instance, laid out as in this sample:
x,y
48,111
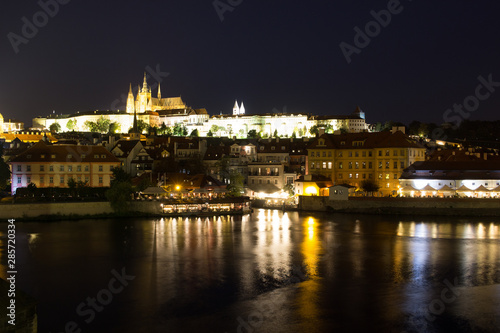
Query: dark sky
x,y
270,54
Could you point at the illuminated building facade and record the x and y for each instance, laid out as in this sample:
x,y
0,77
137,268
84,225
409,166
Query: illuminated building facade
x,y
353,157
474,178
171,111
48,165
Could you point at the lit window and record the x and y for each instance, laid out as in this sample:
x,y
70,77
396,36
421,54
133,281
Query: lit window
x,y
387,176
329,165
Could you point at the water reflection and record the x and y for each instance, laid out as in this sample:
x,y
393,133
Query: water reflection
x,y
328,271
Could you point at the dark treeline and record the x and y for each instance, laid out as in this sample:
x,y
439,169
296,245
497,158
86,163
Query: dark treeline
x,y
469,132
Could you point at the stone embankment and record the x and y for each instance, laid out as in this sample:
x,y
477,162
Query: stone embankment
x,y
404,206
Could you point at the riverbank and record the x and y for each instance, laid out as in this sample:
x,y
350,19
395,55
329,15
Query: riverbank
x,y
403,206
95,210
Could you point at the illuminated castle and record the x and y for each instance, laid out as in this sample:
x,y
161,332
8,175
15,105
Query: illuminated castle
x,y
144,102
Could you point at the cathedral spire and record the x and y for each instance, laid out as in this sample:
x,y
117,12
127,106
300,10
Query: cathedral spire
x,y
130,101
145,84
159,91
236,109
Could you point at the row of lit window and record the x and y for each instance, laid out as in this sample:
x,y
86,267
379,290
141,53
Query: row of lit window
x,y
268,181
370,176
62,168
51,179
365,153
82,156
355,165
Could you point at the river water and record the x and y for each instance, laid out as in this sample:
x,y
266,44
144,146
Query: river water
x,y
265,272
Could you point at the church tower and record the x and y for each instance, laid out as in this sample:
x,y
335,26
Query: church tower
x,y
134,134
143,97
130,101
159,92
242,108
236,109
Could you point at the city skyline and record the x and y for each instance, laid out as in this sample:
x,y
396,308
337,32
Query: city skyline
x,y
398,61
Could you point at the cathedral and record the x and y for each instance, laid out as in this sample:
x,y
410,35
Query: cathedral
x,y
144,102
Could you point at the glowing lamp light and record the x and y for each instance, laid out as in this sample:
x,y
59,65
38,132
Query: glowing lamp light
x,y
311,190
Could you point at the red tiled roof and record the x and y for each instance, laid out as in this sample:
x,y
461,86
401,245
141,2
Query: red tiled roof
x,y
42,152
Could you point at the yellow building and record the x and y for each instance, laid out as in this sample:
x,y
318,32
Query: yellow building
x,y
48,165
353,157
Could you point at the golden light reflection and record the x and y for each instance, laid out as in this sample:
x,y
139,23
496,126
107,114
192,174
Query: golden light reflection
x,y
273,243
309,289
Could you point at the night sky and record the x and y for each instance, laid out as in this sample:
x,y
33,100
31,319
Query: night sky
x,y
273,55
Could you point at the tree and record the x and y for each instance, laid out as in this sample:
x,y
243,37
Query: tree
x,y
288,188
31,189
162,129
168,131
314,130
55,127
370,186
210,134
252,134
120,191
141,125
71,124
119,196
194,133
91,126
4,171
214,129
180,130
275,133
235,187
71,183
119,175
114,127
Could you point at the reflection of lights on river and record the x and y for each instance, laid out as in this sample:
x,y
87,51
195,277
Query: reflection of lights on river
x,y
309,289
